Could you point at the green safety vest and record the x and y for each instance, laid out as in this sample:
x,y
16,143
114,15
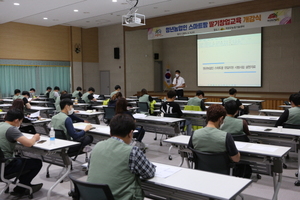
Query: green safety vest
x,y
6,146
109,164
294,116
58,122
233,126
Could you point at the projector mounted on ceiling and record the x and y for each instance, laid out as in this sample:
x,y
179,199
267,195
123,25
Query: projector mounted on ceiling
x,y
133,19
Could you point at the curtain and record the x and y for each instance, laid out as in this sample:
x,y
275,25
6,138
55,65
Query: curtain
x,y
39,77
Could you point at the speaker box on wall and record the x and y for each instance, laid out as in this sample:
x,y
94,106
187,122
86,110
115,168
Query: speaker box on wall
x,y
156,56
117,53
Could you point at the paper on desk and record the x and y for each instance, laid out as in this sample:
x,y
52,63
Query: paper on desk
x,y
35,114
96,96
165,171
80,125
29,99
139,115
262,148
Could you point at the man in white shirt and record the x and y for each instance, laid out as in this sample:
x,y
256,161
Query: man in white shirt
x,y
178,84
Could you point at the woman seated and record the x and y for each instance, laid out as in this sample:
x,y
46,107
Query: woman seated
x,y
112,102
121,108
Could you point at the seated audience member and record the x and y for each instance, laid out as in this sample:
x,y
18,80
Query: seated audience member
x,y
233,125
63,122
211,138
48,90
197,100
117,89
54,93
19,104
10,135
32,93
232,96
292,115
77,93
121,108
116,163
145,97
25,95
17,94
171,107
59,98
88,96
113,101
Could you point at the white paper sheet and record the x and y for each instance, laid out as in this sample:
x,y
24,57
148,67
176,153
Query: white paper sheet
x,y
165,171
139,115
80,125
96,96
35,114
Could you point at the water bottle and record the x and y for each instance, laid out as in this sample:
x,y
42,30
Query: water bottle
x,y
52,136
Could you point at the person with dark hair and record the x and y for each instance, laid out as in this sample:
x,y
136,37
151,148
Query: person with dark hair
x,y
113,101
32,93
9,136
88,96
145,97
211,138
54,93
170,107
17,94
25,95
77,93
232,96
116,163
63,122
59,98
121,108
292,115
48,90
233,125
197,100
178,84
117,89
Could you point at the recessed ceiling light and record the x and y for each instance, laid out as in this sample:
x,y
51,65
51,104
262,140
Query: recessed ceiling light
x,y
16,4
45,18
114,0
75,10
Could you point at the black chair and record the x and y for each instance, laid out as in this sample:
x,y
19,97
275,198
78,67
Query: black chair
x,y
287,103
212,162
241,138
109,113
6,178
143,107
183,98
89,191
157,99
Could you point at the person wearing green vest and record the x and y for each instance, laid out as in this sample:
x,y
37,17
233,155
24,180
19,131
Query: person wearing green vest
x,y
63,122
9,136
197,100
88,96
292,115
233,125
145,97
32,94
17,95
77,94
117,89
48,90
232,96
116,163
55,93
25,95
211,138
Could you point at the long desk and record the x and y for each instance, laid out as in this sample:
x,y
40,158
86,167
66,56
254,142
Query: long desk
x,y
197,118
271,112
257,155
99,132
40,108
183,184
260,120
43,122
162,125
50,153
220,103
253,102
283,137
5,106
93,115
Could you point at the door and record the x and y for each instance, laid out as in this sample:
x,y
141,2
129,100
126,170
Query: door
x,y
104,82
158,76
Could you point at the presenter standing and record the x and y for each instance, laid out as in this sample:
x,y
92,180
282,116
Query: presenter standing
x,y
178,84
